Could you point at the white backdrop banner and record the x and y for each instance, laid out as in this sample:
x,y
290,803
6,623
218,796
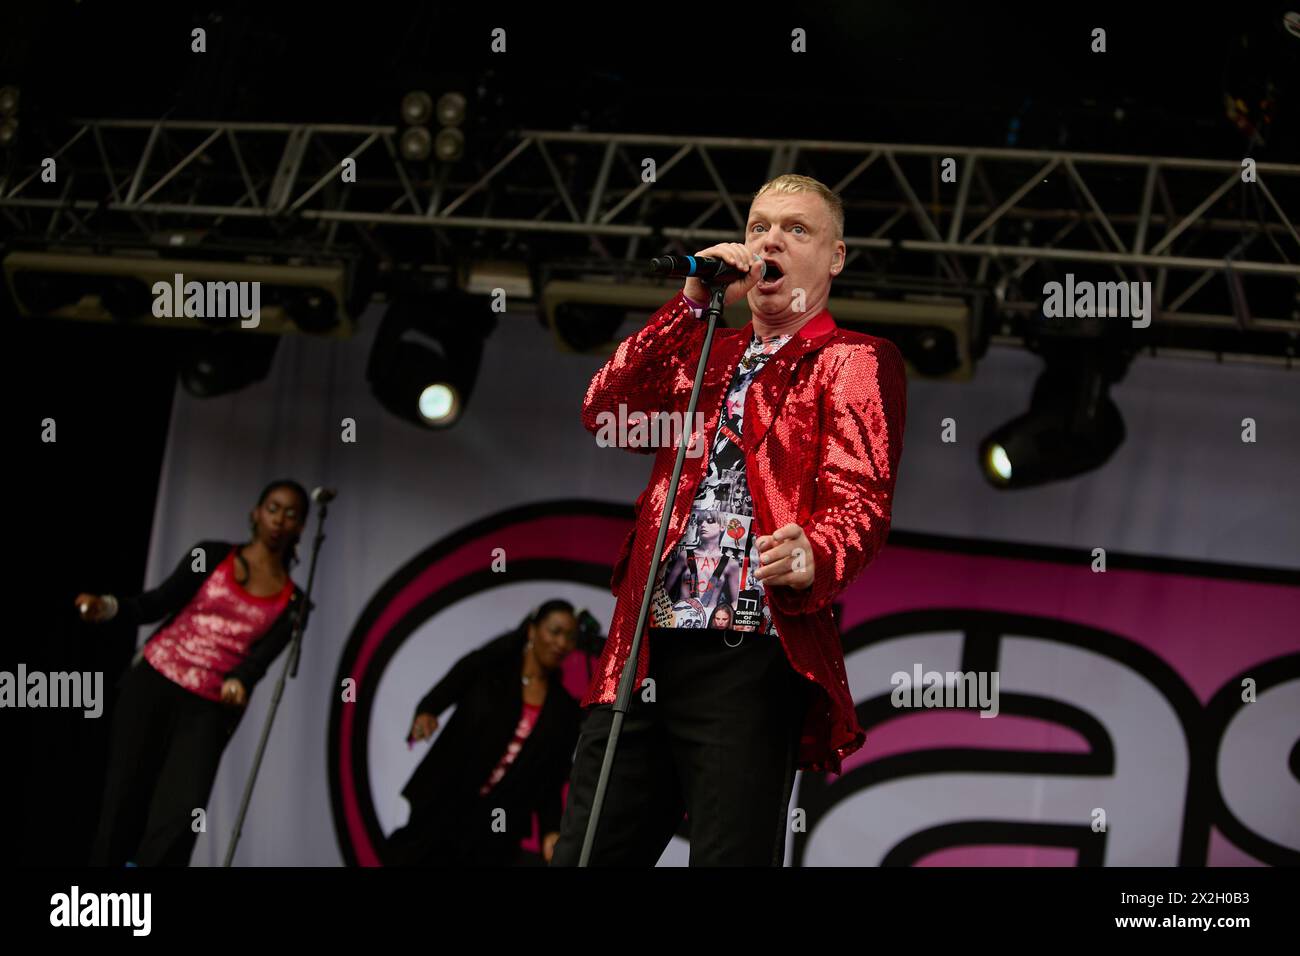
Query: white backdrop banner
x,y
1121,736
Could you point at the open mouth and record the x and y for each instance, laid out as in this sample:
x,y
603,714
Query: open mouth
x,y
772,277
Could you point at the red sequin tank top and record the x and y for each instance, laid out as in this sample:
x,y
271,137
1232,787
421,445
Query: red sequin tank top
x,y
212,634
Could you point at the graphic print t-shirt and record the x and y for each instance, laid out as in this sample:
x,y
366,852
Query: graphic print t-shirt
x,y
708,579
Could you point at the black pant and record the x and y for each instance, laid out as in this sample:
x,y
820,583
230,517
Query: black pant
x,y
458,834
165,749
718,743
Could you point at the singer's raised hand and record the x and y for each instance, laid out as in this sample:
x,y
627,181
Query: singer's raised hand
x,y
740,256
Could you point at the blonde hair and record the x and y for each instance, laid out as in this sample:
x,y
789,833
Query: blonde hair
x,y
794,183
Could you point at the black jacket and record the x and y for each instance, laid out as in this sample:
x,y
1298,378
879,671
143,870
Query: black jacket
x,y
485,687
170,597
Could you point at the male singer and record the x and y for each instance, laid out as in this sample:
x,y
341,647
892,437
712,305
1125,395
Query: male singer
x,y
804,427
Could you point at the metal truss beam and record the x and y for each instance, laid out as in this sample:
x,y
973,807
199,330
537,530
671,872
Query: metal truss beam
x,y
1011,217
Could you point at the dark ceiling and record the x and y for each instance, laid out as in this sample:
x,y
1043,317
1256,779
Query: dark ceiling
x,y
902,72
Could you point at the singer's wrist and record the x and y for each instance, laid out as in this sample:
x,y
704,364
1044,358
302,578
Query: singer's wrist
x,y
693,302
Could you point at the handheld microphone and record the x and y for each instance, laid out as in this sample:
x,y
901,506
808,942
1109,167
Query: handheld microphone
x,y
705,268
323,495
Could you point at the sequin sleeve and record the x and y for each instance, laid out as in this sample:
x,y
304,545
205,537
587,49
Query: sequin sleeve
x,y
648,370
862,440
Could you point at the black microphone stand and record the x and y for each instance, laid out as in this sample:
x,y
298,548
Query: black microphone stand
x,y
290,669
623,702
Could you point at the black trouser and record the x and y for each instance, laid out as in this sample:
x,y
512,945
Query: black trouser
x,y
459,834
165,748
719,743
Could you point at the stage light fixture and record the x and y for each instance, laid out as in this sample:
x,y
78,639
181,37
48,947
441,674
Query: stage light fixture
x,y
426,356
8,115
440,403
313,309
998,462
220,363
417,107
934,334
313,299
451,109
1072,427
125,297
416,144
47,292
587,327
449,145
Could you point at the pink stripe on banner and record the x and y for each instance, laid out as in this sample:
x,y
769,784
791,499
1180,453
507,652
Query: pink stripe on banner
x,y
1224,853
559,538
999,855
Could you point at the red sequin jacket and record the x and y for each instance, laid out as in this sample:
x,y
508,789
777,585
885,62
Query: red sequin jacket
x,y
823,431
